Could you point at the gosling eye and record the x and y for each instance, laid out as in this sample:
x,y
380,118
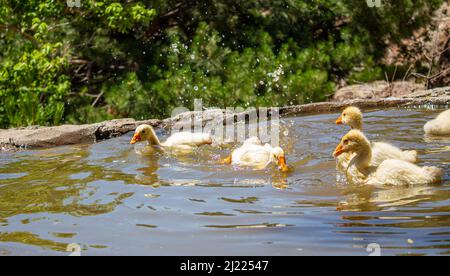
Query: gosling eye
x,y
345,142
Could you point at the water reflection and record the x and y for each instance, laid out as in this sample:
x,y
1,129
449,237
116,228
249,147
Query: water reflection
x,y
46,185
32,239
366,198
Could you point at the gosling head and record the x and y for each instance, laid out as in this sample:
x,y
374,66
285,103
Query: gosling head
x,y
354,141
143,133
277,155
351,116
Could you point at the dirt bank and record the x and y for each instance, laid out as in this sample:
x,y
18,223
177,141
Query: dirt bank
x,y
44,137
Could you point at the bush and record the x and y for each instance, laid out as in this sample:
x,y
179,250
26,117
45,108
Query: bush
x,y
32,89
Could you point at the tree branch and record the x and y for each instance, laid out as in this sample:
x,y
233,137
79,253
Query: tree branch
x,y
18,31
161,21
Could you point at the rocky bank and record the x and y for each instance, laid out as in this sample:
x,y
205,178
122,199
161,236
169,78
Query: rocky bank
x,y
376,95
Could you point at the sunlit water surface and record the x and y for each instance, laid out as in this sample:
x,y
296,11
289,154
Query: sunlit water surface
x,y
110,200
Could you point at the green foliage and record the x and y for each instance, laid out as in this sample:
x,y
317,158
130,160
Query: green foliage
x,y
33,88
256,76
128,98
140,59
393,21
122,17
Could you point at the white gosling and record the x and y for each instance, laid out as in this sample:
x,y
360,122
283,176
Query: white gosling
x,y
390,172
181,140
353,117
439,126
256,155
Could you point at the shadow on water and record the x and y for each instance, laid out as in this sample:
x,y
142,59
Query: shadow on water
x,y
111,198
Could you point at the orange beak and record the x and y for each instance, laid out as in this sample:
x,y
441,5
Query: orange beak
x,y
338,151
209,142
227,161
282,164
339,121
136,138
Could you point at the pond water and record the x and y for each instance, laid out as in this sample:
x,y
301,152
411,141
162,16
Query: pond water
x,y
111,201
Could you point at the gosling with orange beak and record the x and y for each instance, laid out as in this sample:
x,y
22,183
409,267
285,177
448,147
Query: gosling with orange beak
x,y
258,156
353,117
181,140
392,172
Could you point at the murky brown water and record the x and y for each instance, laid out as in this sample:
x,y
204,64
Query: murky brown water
x,y
112,201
